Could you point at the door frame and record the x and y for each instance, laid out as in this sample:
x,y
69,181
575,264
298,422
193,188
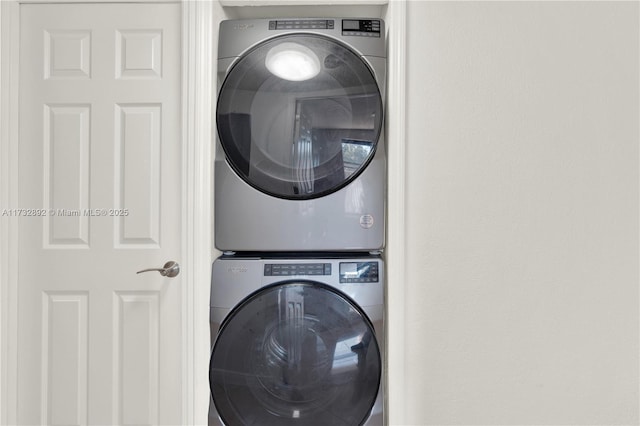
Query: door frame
x,y
197,210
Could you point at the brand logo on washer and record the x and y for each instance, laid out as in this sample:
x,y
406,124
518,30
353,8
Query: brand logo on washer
x,y
237,270
242,26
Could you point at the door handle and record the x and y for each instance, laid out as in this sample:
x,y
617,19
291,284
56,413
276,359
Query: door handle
x,y
170,269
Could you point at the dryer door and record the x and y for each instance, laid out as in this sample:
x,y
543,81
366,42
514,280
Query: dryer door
x,y
299,116
295,353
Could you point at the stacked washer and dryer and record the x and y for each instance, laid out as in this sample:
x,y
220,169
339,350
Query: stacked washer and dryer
x,y
297,298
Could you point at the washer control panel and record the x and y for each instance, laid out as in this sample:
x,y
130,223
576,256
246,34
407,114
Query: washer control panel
x,y
359,272
350,272
279,269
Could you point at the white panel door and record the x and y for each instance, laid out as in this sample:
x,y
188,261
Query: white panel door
x,y
100,172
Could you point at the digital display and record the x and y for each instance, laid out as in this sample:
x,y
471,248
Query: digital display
x,y
349,270
358,272
361,27
350,25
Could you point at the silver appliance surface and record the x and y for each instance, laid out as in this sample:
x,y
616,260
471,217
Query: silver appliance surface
x,y
297,341
300,162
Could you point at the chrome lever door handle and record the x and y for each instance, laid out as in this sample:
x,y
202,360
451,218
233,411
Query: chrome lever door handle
x,y
170,269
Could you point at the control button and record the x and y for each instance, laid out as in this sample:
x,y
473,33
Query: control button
x,y
301,24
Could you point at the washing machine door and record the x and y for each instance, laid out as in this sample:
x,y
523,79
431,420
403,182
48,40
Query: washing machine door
x,y
299,116
296,353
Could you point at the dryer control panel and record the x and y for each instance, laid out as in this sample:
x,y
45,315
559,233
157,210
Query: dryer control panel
x,y
302,24
361,27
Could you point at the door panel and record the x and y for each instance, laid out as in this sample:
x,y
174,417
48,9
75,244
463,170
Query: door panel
x,y
295,353
100,168
299,116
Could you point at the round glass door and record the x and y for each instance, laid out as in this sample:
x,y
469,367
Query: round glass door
x,y
299,116
297,353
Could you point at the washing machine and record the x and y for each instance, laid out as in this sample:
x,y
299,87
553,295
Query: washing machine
x,y
300,160
297,341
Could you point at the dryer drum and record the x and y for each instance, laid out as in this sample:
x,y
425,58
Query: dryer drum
x,y
303,135
295,353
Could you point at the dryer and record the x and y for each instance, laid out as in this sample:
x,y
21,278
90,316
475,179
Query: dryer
x,y
300,156
297,341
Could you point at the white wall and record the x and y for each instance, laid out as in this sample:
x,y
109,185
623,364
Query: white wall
x,y
522,300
